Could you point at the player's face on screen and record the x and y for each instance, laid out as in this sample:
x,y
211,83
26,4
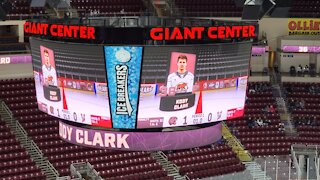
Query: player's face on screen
x,y
182,64
46,59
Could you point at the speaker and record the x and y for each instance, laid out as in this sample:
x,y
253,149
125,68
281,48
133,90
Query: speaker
x,y
63,5
282,8
267,6
239,3
3,14
280,12
5,7
256,9
251,12
38,3
50,3
284,3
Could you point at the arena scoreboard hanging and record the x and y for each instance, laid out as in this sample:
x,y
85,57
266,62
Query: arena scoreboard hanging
x,y
110,89
141,87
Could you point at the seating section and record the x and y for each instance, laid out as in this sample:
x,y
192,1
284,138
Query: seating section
x,y
209,8
12,47
22,8
303,101
11,43
19,95
260,130
109,7
9,39
204,8
227,8
15,162
206,161
308,8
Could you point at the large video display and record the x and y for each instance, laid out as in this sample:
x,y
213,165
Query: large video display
x,y
136,87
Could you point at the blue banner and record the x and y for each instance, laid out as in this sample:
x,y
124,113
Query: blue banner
x,y
123,65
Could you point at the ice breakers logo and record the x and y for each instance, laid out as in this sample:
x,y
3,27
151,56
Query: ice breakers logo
x,y
123,105
123,65
123,55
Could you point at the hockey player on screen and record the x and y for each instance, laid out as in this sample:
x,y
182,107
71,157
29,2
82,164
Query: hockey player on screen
x,y
182,80
49,72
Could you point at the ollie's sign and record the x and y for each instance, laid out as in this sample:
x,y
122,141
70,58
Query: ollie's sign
x,y
58,30
198,33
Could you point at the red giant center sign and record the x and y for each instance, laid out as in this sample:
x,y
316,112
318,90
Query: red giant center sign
x,y
197,33
57,30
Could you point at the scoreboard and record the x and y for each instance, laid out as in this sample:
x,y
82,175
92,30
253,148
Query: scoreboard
x,y
141,87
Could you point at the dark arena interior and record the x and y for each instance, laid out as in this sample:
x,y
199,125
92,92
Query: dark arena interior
x,y
159,89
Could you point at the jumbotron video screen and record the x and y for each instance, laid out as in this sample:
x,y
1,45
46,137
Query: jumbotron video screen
x,y
141,87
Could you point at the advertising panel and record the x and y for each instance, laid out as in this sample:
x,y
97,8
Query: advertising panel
x,y
15,59
303,49
123,65
258,50
304,26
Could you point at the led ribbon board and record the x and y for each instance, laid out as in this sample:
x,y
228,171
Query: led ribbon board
x,y
305,49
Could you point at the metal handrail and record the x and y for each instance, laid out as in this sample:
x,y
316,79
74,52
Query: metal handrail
x,y
304,146
187,177
64,178
316,163
22,130
26,139
50,165
81,167
34,146
295,161
175,166
163,154
6,108
238,143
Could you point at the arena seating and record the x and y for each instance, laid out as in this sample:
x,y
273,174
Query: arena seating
x,y
8,39
15,162
21,8
11,43
109,7
305,8
19,95
267,136
206,161
227,8
204,8
209,8
303,102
